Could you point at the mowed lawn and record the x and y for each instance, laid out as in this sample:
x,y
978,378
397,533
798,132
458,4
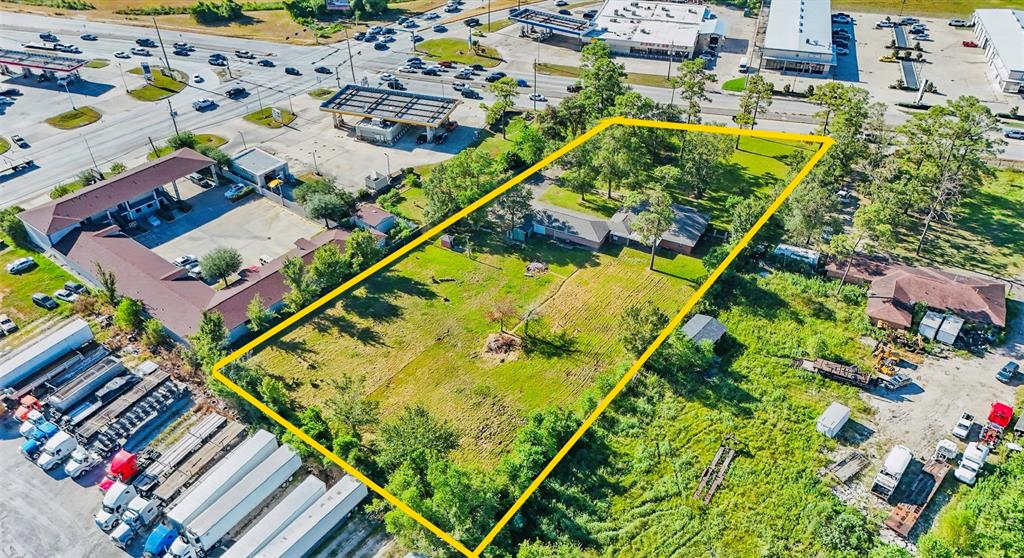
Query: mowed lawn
x,y
16,290
987,233
418,333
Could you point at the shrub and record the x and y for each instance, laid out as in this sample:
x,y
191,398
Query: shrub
x,y
128,315
213,12
153,334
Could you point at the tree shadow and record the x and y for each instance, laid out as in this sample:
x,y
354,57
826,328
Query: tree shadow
x,y
329,322
550,345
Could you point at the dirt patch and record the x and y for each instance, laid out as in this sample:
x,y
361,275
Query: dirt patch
x,y
502,347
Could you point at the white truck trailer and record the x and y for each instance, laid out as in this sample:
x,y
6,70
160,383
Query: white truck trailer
x,y
34,356
306,532
208,489
205,531
277,519
892,471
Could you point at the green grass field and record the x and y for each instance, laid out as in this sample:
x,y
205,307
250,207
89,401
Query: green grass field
x,y
496,25
735,85
418,333
162,86
97,63
4,145
457,51
412,204
81,116
940,8
212,140
16,290
986,235
265,117
650,80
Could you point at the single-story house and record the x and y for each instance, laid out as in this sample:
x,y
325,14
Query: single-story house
x,y
688,225
564,225
891,298
260,168
702,327
374,218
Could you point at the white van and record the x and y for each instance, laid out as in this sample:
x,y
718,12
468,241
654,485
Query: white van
x,y
743,65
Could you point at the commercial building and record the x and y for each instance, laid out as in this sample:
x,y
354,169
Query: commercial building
x,y
385,114
1001,34
677,29
260,168
798,37
534,19
14,62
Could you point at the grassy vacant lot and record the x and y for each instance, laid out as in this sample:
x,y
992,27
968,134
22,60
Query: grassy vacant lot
x,y
735,85
164,85
213,140
755,167
97,63
82,116
4,145
16,290
456,51
265,117
651,80
771,497
940,8
412,205
418,333
986,235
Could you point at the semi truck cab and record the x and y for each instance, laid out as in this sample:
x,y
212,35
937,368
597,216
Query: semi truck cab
x,y
37,436
31,420
56,449
82,460
159,540
114,503
140,512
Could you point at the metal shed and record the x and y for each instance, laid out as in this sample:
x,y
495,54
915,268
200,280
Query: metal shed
x,y
930,324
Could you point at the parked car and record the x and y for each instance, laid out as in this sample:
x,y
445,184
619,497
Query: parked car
x,y
380,46
1007,372
414,60
884,24
19,141
7,325
538,97
960,23
472,22
237,191
203,104
292,71
841,18
196,78
359,36
463,75
909,21
564,11
65,295
236,92
76,288
387,40
21,265
842,51
88,37
840,43
387,77
887,58
439,137
44,301
439,29
1011,134
322,70
371,38
446,64
266,63
11,92
184,261
121,54
422,138
139,51
963,426
970,44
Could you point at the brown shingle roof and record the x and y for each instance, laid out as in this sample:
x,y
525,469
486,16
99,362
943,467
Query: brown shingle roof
x,y
975,299
76,206
371,214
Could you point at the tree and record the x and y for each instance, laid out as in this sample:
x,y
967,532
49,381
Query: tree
x,y
504,309
219,263
182,140
129,314
274,395
458,182
312,187
529,144
680,354
835,97
809,209
348,406
654,216
579,180
702,161
259,315
211,340
746,212
117,168
510,208
362,250
505,91
108,285
12,227
415,437
641,324
329,267
846,533
756,97
692,80
888,551
222,159
153,333
215,12
302,290
366,9
602,79
335,207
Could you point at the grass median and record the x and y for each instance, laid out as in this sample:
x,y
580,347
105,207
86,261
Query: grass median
x,y
456,51
649,80
4,145
164,84
81,116
265,117
212,140
97,63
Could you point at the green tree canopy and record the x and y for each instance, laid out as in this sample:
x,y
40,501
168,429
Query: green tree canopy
x,y
220,263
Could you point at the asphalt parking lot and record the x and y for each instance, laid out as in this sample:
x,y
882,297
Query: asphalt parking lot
x,y
253,225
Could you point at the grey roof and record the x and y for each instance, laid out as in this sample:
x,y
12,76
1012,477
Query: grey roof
x,y
257,161
391,105
687,227
800,25
702,327
570,222
1005,30
40,60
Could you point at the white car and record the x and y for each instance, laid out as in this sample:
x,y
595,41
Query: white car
x,y
139,51
196,78
187,259
842,51
561,3
959,23
65,295
407,70
194,270
202,104
387,77
963,426
431,15
121,54
1014,134
459,85
538,97
883,24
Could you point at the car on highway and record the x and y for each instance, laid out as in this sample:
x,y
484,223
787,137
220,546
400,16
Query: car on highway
x,y
245,54
407,70
459,86
414,60
380,46
11,92
431,71
121,54
266,63
564,11
65,295
49,37
88,37
237,191
470,93
217,61
494,76
139,51
1014,134
538,97
20,265
960,23
1007,372
292,71
440,29
184,46
236,92
145,42
181,52
203,104
522,82
322,70
387,77
472,22
44,301
396,85
561,3
431,15
574,87
449,9
196,78
20,141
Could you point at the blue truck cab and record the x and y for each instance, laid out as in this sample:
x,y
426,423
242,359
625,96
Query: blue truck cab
x,y
159,540
36,438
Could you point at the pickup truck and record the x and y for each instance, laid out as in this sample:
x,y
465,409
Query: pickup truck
x,y
963,426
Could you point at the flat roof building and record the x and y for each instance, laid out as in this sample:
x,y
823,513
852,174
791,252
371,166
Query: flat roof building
x,y
39,61
678,29
556,23
1001,34
798,37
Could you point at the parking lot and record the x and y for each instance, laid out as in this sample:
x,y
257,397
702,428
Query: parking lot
x,y
253,225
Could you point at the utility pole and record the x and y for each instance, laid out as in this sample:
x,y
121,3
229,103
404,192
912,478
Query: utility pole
x,y
162,49
87,147
535,62
259,97
351,61
153,145
125,82
72,99
488,16
315,166
173,119
244,146
671,51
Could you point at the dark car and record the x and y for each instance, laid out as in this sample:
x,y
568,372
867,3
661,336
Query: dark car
x,y
292,71
236,92
397,85
840,43
563,11
472,22
439,137
88,37
322,70
144,42
574,87
470,93
413,60
440,29
371,38
422,138
266,63
477,67
359,36
19,141
181,52
387,31
494,76
1007,372
522,82
10,92
431,72
44,301
380,46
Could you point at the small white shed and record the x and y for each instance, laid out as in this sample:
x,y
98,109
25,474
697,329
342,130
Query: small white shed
x,y
930,324
832,420
949,330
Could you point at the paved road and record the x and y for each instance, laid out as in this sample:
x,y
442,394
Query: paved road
x,y
122,133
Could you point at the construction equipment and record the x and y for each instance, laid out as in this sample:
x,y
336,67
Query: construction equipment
x,y
714,474
835,371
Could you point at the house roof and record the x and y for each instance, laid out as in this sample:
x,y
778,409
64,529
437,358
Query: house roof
x,y
570,222
975,299
77,206
372,214
702,327
687,227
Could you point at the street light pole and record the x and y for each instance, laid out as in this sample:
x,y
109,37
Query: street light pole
x,y
162,49
259,97
315,166
87,147
124,81
70,98
488,16
173,119
388,160
351,61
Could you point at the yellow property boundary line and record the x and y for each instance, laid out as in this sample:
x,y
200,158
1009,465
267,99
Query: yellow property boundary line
x,y
826,143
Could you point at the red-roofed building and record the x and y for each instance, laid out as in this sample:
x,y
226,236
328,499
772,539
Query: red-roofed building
x,y
891,297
